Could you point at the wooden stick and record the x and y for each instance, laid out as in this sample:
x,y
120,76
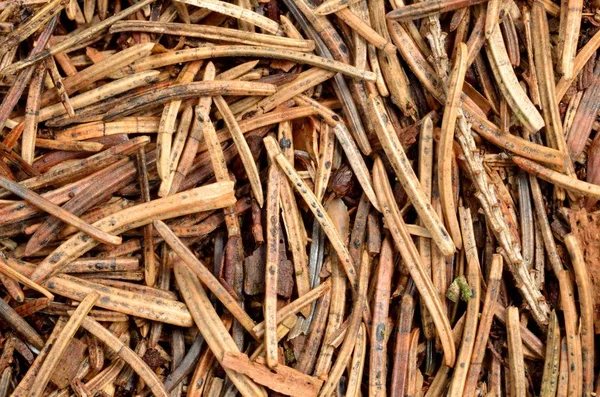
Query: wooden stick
x,y
515,353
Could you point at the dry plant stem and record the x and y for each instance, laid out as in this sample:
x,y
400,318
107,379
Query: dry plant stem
x,y
486,194
567,300
430,7
326,152
19,325
215,33
402,342
58,84
26,383
167,121
272,266
445,152
211,327
586,304
208,197
126,125
568,36
509,86
58,212
583,56
355,159
242,148
69,146
380,326
316,208
545,79
485,324
60,344
15,275
99,94
459,378
515,353
552,361
175,177
343,357
237,12
151,380
357,364
411,257
406,175
567,182
157,61
205,275
73,40
30,125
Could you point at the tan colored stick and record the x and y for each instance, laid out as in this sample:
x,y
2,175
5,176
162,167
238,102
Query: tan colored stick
x,y
216,195
516,363
445,151
126,354
205,275
405,245
61,343
549,382
58,212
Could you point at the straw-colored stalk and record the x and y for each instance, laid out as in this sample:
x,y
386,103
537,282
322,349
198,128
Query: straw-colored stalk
x,y
516,364
445,146
405,245
30,124
549,384
60,344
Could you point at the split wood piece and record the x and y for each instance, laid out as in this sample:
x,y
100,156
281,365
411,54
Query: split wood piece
x,y
97,129
214,33
354,321
509,86
445,153
168,118
118,299
515,353
272,266
582,58
101,189
473,275
149,99
295,306
94,265
486,194
549,384
380,328
282,379
237,12
355,159
215,334
568,36
171,183
558,179
485,324
69,146
57,81
99,70
357,364
15,275
19,325
31,25
205,198
430,7
545,79
72,170
30,124
586,304
86,34
26,383
411,257
60,344
363,29
325,159
316,208
406,175
115,344
572,335
331,6
205,275
182,56
58,212
305,81
183,131
242,147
